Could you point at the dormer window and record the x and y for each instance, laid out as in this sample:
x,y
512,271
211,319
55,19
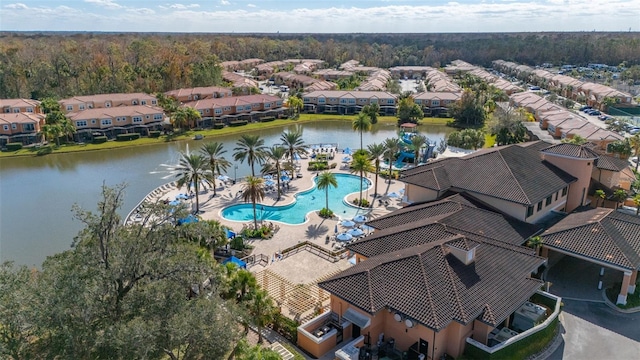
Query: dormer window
x,y
463,249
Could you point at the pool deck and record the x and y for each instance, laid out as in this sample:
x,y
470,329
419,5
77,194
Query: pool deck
x,y
314,230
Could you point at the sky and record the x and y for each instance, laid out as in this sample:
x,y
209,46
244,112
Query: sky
x,y
320,16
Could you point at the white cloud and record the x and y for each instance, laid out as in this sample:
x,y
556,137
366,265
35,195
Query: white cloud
x,y
224,2
251,5
17,6
108,4
141,11
179,6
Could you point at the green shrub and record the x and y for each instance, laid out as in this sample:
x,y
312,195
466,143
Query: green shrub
x,y
267,119
154,134
263,232
218,126
238,123
99,139
317,165
286,327
45,150
14,146
326,213
127,137
363,203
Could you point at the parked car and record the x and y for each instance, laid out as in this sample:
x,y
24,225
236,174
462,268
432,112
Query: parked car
x,y
604,117
634,131
584,108
593,112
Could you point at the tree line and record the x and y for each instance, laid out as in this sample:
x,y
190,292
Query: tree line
x,y
62,65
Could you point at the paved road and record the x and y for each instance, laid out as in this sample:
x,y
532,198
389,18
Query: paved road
x,y
595,331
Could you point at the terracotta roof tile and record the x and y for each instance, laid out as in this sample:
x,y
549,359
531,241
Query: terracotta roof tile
x,y
605,162
571,150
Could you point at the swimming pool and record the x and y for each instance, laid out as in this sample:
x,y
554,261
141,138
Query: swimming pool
x,y
305,202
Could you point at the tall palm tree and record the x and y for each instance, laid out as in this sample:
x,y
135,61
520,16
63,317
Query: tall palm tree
x,y
67,128
186,117
52,132
361,123
293,142
392,147
295,104
192,168
362,166
326,180
261,309
251,148
217,163
243,283
274,156
372,111
375,152
417,142
253,190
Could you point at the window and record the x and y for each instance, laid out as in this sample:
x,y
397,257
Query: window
x,y
373,101
143,102
418,101
390,101
29,110
134,102
69,107
362,101
352,101
107,104
539,206
322,100
435,102
16,110
153,102
137,119
556,196
93,121
267,105
14,126
81,107
7,110
227,108
529,211
159,116
306,99
343,101
81,123
255,106
548,201
28,127
278,103
217,111
122,119
205,110
564,192
5,127
149,116
105,122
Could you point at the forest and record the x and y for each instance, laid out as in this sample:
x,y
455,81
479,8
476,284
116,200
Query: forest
x,y
39,65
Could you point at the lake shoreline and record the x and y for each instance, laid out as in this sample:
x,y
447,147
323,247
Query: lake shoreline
x,y
209,134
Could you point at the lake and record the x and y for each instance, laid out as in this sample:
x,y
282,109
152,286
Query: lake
x,y
37,193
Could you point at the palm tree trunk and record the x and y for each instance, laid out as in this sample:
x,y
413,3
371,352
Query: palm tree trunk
x,y
197,198
360,138
360,203
377,171
255,216
326,197
278,180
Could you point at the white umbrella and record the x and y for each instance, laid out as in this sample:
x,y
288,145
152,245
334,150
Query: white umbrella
x,y
367,228
348,224
355,232
344,237
360,219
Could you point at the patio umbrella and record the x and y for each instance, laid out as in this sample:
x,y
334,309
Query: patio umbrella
x,y
223,178
393,195
355,232
296,157
335,230
174,202
182,197
269,183
346,159
284,178
189,219
347,151
367,228
344,237
348,224
360,219
268,177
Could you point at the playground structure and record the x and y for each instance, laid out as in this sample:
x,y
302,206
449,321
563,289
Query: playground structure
x,y
407,153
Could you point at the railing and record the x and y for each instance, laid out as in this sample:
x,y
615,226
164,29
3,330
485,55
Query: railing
x,y
256,259
153,194
523,335
332,256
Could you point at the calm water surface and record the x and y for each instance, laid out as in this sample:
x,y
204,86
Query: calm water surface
x,y
37,193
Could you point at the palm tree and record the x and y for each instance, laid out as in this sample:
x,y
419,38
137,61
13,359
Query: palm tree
x,y
326,180
67,129
372,111
253,190
274,155
535,242
361,123
251,148
295,104
375,152
634,141
261,309
243,283
51,132
217,163
186,117
619,196
392,147
361,165
293,142
417,142
192,169
599,194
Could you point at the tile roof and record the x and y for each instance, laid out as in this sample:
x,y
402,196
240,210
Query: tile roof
x,y
430,285
18,103
21,118
99,113
455,213
606,162
514,173
601,234
571,150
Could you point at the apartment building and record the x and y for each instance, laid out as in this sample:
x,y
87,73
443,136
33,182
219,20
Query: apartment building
x,y
111,121
248,107
348,102
80,103
198,93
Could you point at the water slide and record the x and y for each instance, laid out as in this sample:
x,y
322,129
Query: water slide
x,y
403,155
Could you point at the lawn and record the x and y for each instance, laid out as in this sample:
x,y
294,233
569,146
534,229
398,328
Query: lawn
x,y
209,133
633,300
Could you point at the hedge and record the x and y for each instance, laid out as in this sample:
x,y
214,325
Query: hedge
x,y
154,134
238,123
267,119
99,139
218,126
14,146
127,137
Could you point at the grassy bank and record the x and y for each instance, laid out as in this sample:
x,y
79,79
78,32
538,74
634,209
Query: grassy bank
x,y
209,134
